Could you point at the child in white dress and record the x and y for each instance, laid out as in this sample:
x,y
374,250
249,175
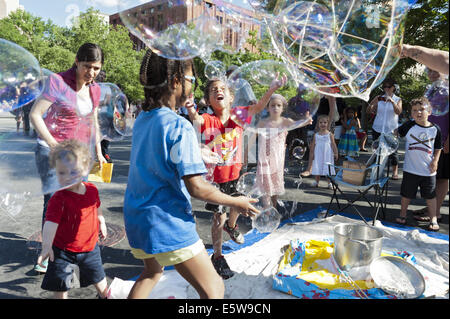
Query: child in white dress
x,y
325,150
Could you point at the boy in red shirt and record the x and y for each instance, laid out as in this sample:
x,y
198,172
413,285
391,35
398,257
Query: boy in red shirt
x,y
72,224
222,134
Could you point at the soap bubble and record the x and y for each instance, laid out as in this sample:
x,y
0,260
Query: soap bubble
x,y
68,117
172,36
345,47
437,94
215,70
115,115
20,76
267,221
260,75
385,145
247,184
298,152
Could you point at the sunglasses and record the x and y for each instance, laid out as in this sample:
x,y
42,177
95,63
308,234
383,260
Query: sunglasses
x,y
190,78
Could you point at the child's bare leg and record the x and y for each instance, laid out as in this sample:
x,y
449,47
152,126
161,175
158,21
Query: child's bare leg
x,y
307,172
232,218
431,204
147,280
266,201
102,288
403,210
61,295
441,192
274,199
216,232
363,142
200,273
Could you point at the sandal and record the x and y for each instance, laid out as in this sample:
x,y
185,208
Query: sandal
x,y
433,226
425,218
401,220
394,177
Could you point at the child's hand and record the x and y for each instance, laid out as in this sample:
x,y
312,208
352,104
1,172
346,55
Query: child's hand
x,y
433,166
244,206
278,83
209,156
103,230
46,252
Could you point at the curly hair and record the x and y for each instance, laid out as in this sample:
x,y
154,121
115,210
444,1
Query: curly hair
x,y
157,73
71,150
423,101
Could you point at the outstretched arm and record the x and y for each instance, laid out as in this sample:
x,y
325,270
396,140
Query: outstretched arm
x,y
275,85
436,60
48,235
196,118
202,190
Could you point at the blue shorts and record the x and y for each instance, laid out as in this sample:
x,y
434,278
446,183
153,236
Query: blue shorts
x,y
59,275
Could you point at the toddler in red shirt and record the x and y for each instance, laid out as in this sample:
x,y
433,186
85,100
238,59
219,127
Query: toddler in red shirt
x,y
72,224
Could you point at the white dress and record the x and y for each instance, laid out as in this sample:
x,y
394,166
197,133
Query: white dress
x,y
323,154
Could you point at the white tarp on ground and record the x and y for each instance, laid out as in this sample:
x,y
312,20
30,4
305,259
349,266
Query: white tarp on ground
x,y
255,265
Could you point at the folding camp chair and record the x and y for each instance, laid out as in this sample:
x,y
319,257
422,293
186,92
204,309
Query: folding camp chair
x,y
378,181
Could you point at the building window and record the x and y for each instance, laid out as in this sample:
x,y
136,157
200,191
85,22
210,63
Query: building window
x,y
160,22
159,7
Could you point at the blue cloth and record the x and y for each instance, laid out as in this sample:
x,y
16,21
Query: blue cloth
x,y
157,208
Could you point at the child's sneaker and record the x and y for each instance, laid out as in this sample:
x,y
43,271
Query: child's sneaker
x,y
234,233
330,186
315,184
221,266
40,269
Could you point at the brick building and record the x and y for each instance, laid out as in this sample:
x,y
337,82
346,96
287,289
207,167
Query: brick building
x,y
161,14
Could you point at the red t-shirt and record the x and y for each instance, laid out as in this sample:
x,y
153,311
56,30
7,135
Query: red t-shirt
x,y
225,141
77,219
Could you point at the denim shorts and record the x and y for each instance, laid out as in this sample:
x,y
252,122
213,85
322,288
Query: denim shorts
x,y
59,275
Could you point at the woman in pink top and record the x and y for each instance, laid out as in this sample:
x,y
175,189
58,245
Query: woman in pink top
x,y
68,109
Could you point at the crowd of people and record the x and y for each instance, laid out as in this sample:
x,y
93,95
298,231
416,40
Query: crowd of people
x,y
167,165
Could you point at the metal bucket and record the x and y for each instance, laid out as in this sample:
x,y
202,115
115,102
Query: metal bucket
x,y
356,245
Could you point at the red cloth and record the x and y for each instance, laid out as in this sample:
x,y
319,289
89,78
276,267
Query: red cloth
x,y
225,141
77,219
360,135
62,119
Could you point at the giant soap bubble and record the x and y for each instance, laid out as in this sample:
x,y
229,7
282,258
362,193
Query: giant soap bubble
x,y
346,46
170,35
115,115
260,75
67,116
20,76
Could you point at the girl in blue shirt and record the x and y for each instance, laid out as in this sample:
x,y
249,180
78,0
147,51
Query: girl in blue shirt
x,y
166,170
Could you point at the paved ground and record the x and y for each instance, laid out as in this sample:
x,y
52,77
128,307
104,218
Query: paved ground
x,y
18,236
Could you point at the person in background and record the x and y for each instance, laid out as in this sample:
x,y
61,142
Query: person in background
x,y
422,152
437,97
72,225
54,122
386,109
166,169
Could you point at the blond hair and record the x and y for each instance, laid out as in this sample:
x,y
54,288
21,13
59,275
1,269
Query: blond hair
x,y
71,150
